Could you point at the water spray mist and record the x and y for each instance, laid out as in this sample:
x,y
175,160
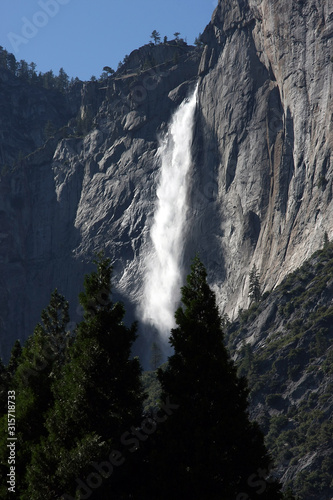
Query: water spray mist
x,y
163,277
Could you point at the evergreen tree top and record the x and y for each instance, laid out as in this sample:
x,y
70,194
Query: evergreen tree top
x,y
15,357
199,316
217,447
97,287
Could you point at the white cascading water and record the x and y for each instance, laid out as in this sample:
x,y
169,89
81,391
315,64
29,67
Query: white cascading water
x,y
163,277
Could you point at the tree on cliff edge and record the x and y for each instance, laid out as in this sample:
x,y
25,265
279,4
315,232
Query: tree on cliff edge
x,y
156,37
211,448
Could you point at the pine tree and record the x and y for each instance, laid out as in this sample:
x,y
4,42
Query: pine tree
x,y
48,80
254,288
3,57
288,495
108,70
23,70
62,81
3,389
12,63
15,358
211,448
98,396
49,130
198,41
32,72
6,376
31,371
326,240
156,37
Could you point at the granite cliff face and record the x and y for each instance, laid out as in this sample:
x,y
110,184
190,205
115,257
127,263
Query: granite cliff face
x,y
265,139
26,194
80,192
261,189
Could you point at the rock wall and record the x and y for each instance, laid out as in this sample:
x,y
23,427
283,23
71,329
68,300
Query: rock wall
x,y
264,142
80,193
27,208
262,173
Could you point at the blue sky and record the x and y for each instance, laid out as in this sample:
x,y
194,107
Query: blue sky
x,y
82,36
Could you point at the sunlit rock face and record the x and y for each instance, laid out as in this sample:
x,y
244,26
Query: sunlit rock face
x,y
75,196
261,182
264,141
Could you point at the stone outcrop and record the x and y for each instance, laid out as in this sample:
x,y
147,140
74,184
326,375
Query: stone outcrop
x,y
264,137
79,192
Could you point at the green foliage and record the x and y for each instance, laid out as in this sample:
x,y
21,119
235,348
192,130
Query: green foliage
x,y
109,70
254,287
246,365
75,396
152,388
49,130
15,358
301,345
198,42
104,76
97,396
62,81
216,446
288,495
156,37
249,314
3,389
327,365
326,240
27,73
274,400
32,371
149,63
78,395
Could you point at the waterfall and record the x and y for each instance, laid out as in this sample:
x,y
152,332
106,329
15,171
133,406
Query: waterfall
x,y
163,276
